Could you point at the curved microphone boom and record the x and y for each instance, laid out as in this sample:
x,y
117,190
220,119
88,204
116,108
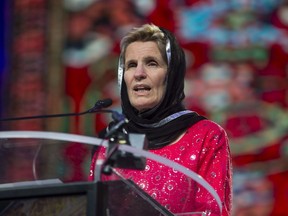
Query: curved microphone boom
x,y
99,105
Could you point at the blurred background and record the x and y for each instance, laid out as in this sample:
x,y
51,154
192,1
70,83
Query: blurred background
x,y
60,56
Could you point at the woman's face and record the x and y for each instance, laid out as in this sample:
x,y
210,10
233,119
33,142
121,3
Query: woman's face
x,y
145,74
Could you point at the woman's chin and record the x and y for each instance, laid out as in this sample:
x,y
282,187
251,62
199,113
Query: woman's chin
x,y
141,107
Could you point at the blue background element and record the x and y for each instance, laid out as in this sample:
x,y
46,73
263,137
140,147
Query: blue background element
x,y
2,47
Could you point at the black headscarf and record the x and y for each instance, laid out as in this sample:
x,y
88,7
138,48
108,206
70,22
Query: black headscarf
x,y
164,123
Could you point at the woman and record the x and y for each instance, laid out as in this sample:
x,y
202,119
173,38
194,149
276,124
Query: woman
x,y
151,78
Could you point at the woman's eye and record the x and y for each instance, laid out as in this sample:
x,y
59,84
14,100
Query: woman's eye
x,y
130,65
152,63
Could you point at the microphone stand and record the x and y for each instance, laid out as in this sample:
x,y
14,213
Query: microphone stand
x,y
99,105
116,158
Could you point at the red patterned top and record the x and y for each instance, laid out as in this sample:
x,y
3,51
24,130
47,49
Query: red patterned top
x,y
204,149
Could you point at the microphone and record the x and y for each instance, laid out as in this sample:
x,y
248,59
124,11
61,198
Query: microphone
x,y
100,104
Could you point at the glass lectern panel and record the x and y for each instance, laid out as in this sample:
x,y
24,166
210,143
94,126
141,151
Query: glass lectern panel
x,y
52,165
40,160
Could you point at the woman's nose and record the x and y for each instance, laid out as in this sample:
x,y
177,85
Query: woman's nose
x,y
140,72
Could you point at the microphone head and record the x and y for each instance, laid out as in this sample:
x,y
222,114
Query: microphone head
x,y
100,104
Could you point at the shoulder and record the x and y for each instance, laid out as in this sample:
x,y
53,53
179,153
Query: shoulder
x,y
207,125
208,132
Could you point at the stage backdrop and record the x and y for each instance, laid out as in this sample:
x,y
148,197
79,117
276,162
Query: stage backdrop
x,y
63,58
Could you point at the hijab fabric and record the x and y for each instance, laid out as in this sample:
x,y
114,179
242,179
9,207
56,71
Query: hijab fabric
x,y
164,123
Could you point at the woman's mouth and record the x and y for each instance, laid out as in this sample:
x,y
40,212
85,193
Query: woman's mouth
x,y
141,88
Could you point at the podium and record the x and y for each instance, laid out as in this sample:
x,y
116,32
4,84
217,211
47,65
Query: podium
x,y
46,173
